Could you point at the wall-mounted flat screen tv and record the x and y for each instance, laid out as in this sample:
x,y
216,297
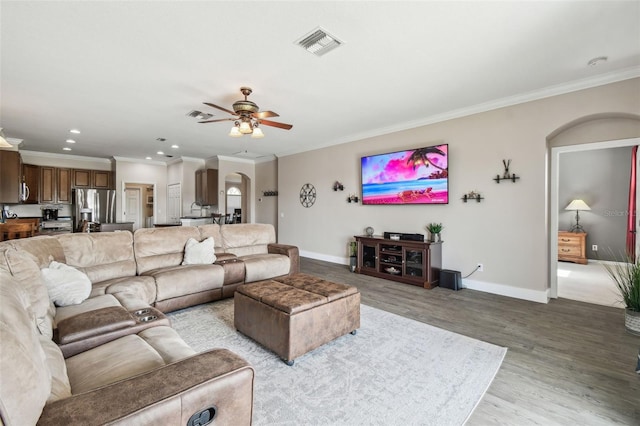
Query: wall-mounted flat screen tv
x,y
415,176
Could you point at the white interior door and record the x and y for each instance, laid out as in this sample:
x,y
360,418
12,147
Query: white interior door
x,y
133,207
174,203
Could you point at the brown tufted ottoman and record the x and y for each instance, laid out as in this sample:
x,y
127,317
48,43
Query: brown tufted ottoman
x,y
295,314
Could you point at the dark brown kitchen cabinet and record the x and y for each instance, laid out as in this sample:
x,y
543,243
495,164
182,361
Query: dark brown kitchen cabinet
x,y
10,176
31,179
98,179
63,186
81,178
207,187
101,179
55,185
47,184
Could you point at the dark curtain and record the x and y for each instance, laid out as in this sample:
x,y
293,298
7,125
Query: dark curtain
x,y
631,218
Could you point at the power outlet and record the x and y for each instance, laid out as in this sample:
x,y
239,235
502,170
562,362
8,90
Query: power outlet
x,y
480,267
594,247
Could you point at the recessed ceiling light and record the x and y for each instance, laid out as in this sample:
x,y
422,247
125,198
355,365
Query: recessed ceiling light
x,y
66,148
76,131
147,158
160,139
597,61
175,146
70,141
160,153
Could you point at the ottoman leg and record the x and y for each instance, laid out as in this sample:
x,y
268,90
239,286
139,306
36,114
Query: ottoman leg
x,y
289,362
354,332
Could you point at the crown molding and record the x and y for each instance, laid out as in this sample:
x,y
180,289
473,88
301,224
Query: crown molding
x,y
65,156
139,161
547,92
236,160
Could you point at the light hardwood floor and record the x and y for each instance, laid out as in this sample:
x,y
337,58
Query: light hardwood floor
x,y
568,362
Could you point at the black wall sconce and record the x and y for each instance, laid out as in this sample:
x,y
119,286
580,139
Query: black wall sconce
x,y
338,186
352,198
270,193
473,195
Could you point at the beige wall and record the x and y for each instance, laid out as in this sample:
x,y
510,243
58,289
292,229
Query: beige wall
x,y
507,231
267,180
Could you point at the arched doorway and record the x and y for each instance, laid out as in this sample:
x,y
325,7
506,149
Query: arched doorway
x,y
596,132
236,198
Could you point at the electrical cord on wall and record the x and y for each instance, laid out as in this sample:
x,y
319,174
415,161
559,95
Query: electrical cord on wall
x,y
472,272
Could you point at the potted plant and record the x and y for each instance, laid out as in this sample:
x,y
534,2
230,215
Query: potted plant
x,y
353,251
434,231
626,276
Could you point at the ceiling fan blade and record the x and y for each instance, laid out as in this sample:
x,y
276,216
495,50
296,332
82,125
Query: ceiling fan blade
x,y
220,108
219,119
265,114
276,124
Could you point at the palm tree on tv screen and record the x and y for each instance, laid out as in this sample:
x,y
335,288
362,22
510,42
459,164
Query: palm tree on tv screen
x,y
419,156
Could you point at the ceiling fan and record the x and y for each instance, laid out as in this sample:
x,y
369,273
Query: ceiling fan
x,y
247,117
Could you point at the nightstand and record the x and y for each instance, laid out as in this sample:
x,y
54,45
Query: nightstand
x,y
572,247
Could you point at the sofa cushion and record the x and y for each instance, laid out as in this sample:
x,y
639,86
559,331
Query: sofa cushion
x,y
212,230
260,267
119,359
23,266
91,304
139,286
247,238
60,387
102,255
65,284
45,249
26,379
188,279
157,248
199,253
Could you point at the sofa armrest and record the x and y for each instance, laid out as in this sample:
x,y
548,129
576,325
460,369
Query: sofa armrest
x,y
168,395
287,250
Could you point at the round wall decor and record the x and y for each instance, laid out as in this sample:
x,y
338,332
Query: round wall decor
x,y
369,231
307,195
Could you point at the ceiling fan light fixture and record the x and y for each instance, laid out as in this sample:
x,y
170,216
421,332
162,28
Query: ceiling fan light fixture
x,y
257,133
235,132
245,128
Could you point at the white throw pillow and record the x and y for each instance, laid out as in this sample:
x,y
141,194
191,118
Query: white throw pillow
x,y
66,285
199,253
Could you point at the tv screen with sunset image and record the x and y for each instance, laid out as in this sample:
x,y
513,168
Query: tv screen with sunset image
x,y
415,176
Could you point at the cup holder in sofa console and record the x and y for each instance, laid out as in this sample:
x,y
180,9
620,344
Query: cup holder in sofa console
x,y
148,318
141,312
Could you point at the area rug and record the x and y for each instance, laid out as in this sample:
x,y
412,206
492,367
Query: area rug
x,y
394,371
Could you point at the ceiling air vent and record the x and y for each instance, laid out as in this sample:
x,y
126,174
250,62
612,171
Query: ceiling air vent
x,y
199,115
319,42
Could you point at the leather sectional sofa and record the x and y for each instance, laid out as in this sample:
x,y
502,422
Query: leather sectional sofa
x,y
113,358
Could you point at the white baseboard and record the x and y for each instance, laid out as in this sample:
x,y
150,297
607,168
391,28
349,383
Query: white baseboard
x,y
487,287
505,290
319,256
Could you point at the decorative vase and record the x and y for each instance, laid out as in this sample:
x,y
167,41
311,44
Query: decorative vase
x,y
632,321
435,238
438,239
352,263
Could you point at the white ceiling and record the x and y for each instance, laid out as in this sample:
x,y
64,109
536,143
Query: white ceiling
x,y
126,73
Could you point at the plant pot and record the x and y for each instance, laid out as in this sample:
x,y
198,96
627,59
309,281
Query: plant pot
x,y
632,321
352,263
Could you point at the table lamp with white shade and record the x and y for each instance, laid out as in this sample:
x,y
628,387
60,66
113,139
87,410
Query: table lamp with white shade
x,y
577,205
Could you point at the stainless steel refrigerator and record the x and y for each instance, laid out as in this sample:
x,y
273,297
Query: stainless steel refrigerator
x,y
93,205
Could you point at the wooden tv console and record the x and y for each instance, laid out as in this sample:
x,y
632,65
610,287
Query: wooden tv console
x,y
411,262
